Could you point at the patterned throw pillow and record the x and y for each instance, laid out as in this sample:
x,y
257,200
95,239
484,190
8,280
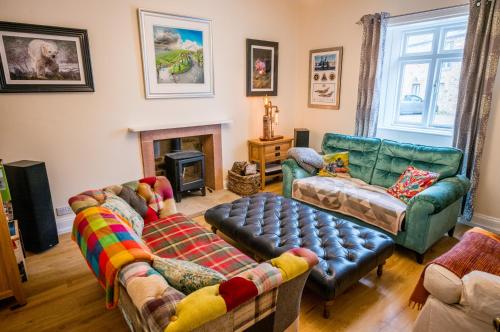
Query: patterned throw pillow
x,y
186,276
335,163
120,207
411,182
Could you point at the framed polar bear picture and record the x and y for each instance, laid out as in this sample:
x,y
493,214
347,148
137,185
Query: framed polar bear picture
x,y
37,58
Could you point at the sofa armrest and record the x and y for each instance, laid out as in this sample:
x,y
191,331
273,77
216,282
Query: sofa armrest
x,y
441,194
292,171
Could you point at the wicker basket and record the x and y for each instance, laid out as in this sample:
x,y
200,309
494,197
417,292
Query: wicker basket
x,y
243,185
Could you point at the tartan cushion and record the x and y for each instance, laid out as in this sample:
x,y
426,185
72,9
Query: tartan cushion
x,y
179,237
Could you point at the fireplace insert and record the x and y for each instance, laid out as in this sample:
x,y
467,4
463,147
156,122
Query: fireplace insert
x,y
185,170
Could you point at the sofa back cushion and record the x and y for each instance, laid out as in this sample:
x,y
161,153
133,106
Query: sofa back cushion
x,y
362,152
394,158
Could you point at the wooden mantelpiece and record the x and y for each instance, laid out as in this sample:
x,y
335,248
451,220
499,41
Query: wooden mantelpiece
x,y
210,135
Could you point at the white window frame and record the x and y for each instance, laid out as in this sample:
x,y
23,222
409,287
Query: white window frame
x,y
398,31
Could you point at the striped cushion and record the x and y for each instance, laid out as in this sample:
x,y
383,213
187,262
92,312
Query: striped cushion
x,y
178,237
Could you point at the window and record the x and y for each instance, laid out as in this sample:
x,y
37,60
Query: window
x,y
421,71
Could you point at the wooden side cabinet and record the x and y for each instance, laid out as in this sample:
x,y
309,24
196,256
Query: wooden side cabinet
x,y
10,278
264,152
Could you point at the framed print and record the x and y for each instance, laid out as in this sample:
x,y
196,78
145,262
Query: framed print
x,y
38,58
325,71
262,68
177,55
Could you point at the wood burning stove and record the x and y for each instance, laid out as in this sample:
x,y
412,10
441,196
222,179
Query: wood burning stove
x,y
185,170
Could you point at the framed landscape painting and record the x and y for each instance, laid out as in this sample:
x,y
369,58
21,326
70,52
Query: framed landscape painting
x,y
325,69
37,58
177,55
262,68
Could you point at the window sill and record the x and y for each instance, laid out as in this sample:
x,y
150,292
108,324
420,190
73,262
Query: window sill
x,y
415,130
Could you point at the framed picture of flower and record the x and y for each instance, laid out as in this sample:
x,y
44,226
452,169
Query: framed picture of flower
x,y
262,68
177,55
325,70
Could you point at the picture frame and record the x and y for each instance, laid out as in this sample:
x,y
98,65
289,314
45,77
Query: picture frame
x,y
325,74
40,58
177,55
262,67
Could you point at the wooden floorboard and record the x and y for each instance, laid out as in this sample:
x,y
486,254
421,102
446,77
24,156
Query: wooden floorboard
x,y
63,295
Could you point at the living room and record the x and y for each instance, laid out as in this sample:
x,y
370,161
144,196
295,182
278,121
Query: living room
x,y
130,107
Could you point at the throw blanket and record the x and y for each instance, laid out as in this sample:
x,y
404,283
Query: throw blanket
x,y
108,243
479,250
307,158
352,197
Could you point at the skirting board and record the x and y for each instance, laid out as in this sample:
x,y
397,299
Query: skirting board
x,y
484,221
64,224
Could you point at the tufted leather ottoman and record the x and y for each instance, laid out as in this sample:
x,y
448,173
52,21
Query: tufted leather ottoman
x,y
268,225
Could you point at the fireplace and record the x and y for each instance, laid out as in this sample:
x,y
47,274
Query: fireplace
x,y
185,169
209,134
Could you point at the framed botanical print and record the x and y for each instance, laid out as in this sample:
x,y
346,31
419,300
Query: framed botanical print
x,y
325,70
177,55
262,68
38,58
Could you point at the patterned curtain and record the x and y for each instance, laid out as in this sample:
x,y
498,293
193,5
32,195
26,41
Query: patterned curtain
x,y
372,49
481,53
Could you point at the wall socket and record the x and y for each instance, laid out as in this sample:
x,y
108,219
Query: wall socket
x,y
63,210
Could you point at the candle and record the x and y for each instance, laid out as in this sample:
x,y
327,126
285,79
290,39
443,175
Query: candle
x,y
266,100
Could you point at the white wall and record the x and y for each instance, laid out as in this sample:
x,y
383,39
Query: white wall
x,y
329,23
83,137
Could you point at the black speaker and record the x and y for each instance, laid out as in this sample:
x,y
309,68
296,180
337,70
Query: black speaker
x,y
301,137
32,204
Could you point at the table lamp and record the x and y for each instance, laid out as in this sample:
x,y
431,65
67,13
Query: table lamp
x,y
269,121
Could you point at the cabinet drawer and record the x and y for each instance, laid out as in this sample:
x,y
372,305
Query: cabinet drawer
x,y
283,148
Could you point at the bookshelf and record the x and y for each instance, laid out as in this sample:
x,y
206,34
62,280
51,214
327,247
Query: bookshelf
x,y
10,278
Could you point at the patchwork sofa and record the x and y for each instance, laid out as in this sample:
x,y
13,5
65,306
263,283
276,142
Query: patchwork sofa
x,y
429,214
253,296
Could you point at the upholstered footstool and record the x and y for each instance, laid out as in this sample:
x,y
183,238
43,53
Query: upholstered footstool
x,y
268,225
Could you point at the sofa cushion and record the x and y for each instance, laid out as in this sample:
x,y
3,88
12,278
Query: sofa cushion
x,y
362,152
394,158
186,276
121,208
412,182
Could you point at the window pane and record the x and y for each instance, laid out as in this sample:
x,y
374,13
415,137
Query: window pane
x,y
454,39
421,43
447,93
412,92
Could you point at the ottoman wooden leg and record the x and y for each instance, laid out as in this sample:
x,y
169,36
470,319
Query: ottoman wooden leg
x,y
326,309
380,270
214,229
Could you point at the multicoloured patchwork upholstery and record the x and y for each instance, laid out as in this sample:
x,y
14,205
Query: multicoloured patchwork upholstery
x,y
182,238
108,244
211,302
144,196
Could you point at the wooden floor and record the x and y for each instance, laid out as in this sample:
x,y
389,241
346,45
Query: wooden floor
x,y
64,296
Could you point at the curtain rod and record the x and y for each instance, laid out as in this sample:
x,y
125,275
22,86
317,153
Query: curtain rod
x,y
423,11
430,10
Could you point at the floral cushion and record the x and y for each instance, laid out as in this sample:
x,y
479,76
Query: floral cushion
x,y
121,208
411,182
186,276
335,163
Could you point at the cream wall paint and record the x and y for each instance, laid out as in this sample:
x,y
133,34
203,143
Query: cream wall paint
x,y
328,23
83,137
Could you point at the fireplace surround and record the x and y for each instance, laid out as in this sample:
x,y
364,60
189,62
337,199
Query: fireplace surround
x,y
210,135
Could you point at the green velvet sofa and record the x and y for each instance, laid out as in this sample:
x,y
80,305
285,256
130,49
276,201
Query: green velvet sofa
x,y
431,213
